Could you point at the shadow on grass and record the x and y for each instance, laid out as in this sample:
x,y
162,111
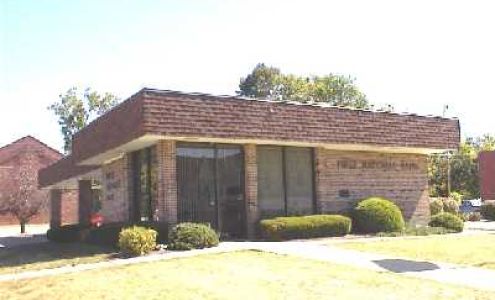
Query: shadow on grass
x,y
46,254
403,265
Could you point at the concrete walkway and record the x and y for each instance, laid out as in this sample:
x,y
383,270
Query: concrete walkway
x,y
442,272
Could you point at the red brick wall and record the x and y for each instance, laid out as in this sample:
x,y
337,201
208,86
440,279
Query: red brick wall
x,y
401,178
175,115
187,115
116,195
486,161
12,158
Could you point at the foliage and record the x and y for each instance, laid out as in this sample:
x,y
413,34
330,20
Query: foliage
x,y
74,111
488,211
436,206
67,234
269,83
463,168
283,228
187,236
377,214
447,220
108,234
21,197
137,240
450,206
457,197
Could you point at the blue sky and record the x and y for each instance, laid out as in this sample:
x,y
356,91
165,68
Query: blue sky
x,y
416,55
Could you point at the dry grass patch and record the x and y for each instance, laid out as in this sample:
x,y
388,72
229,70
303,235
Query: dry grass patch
x,y
473,250
239,275
50,255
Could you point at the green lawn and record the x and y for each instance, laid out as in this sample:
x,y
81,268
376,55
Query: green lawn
x,y
50,255
239,275
472,250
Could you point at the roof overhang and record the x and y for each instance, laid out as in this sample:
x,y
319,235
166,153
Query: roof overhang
x,y
150,139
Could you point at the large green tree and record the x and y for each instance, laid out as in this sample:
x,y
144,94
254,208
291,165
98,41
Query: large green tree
x,y
75,110
463,166
268,82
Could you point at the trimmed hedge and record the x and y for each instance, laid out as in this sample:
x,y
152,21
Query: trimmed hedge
x,y
187,236
488,211
67,234
377,214
137,240
283,228
447,220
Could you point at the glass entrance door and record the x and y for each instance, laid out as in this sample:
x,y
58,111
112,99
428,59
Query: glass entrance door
x,y
210,186
230,193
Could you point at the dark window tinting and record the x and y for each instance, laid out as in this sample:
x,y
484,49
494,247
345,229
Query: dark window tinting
x,y
210,182
285,181
144,183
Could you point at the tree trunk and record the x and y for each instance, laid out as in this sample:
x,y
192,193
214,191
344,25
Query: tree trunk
x,y
23,227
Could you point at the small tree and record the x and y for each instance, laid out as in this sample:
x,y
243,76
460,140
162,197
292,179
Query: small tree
x,y
21,197
75,110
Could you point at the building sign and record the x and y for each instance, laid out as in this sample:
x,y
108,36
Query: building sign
x,y
376,164
112,183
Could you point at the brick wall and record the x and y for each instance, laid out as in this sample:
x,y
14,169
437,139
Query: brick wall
x,y
116,192
251,188
167,182
13,158
343,178
176,114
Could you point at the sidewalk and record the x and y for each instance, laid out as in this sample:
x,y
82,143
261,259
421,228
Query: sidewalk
x,y
448,273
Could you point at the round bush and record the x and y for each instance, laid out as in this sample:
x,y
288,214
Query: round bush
x,y
447,220
187,236
436,207
488,211
376,214
137,240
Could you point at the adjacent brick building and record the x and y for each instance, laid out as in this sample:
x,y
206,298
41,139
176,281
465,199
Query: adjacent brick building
x,y
170,156
486,162
13,157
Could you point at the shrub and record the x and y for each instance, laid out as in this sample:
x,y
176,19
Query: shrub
x,y
450,206
283,228
436,207
187,236
376,214
457,197
137,240
67,234
488,211
108,234
447,220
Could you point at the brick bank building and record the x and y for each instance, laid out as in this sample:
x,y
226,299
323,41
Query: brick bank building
x,y
168,156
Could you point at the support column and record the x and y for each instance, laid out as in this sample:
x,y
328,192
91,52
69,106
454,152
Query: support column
x,y
319,166
55,208
167,182
85,202
251,189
